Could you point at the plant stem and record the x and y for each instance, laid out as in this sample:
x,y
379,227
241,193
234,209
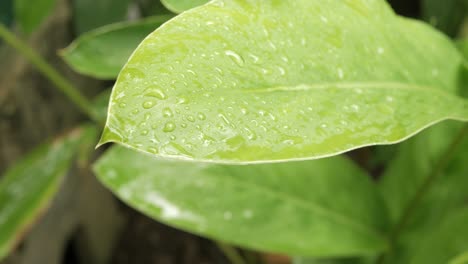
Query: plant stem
x,y
424,188
44,67
231,253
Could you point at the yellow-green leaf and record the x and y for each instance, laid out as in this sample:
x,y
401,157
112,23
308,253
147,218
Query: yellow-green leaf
x,y
265,81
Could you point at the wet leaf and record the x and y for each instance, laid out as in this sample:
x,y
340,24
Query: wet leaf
x,y
245,205
102,53
266,81
30,14
27,188
179,6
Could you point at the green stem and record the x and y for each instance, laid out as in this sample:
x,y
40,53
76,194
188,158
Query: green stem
x,y
231,253
424,188
56,78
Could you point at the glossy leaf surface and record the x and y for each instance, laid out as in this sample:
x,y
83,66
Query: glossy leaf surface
x,y
101,53
179,6
27,188
263,81
30,14
245,205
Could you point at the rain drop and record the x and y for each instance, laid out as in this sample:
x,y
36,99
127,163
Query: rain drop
x,y
380,50
235,57
167,112
201,116
340,73
227,215
148,104
247,213
157,93
169,127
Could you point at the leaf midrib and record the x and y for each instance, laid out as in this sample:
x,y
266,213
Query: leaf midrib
x,y
351,85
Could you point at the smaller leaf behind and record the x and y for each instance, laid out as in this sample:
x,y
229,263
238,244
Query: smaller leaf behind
x,y
91,14
28,187
30,14
179,6
448,243
447,15
327,207
102,52
404,175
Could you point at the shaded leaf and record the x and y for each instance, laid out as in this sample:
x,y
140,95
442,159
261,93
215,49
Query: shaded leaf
x,y
264,81
405,174
101,103
245,205
152,8
299,260
6,12
179,6
91,14
27,188
30,14
460,259
101,53
447,15
448,242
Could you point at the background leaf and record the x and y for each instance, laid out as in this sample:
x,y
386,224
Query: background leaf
x,y
6,12
27,188
179,6
300,260
101,53
446,242
263,82
405,174
447,15
30,14
245,205
91,14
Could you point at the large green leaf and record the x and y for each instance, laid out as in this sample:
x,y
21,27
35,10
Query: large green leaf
x,y
30,14
179,6
326,207
91,14
261,81
27,188
103,52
